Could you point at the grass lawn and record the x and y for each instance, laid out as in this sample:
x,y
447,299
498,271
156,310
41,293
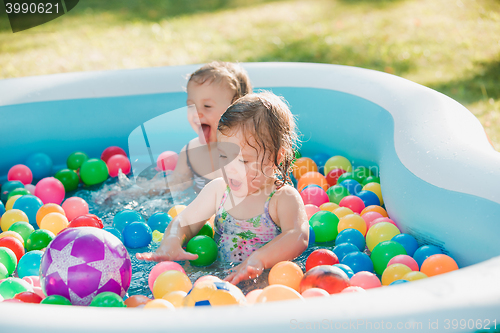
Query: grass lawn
x,y
452,46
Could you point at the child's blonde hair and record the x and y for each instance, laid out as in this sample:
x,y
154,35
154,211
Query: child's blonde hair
x,y
218,71
267,118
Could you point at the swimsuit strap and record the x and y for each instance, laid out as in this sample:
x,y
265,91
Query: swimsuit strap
x,y
266,204
187,159
224,197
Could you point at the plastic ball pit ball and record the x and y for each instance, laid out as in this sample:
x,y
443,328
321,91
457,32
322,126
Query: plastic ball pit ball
x,y
167,160
28,297
12,216
286,273
14,244
135,301
352,202
352,186
375,188
56,300
176,210
311,178
213,293
382,231
76,159
39,239
9,187
314,292
112,151
8,259
375,208
87,220
343,249
314,195
346,269
342,211
321,257
330,278
438,264
24,229
74,207
383,253
117,163
405,260
12,234
29,265
83,262
337,162
125,217
303,165
414,276
206,230
352,236
408,241
358,261
50,190
107,299
394,272
21,173
12,286
54,222
353,289
336,193
352,221
324,224
277,292
46,209
30,205
159,221
17,192
163,267
369,198
93,171
320,160
69,179
365,280
332,176
425,252
206,249
171,280
40,165
159,304
137,234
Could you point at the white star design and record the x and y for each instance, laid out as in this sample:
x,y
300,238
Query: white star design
x,y
109,266
62,261
77,300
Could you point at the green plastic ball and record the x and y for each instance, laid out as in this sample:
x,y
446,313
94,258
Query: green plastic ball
x,y
298,154
94,171
9,259
39,239
69,179
4,273
22,228
336,193
371,179
12,286
18,191
206,249
206,230
108,299
325,226
56,300
383,252
76,159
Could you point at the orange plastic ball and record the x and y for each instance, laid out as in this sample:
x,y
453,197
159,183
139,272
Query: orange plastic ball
x,y
375,208
352,221
175,210
310,178
47,209
302,166
136,300
159,304
286,273
438,264
277,292
394,272
54,222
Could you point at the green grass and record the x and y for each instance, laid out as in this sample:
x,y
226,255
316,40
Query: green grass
x,y
452,46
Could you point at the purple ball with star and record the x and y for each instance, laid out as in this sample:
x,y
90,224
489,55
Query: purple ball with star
x,y
83,262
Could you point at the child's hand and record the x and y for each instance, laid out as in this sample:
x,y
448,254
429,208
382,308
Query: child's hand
x,y
170,249
251,268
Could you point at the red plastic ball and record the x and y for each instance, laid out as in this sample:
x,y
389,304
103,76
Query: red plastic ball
x,y
117,162
14,244
112,151
87,220
333,175
330,278
28,297
321,257
352,202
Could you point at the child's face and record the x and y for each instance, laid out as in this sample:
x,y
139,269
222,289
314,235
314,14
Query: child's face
x,y
242,167
211,100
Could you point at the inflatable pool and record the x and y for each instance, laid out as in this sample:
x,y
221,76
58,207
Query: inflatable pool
x,y
440,179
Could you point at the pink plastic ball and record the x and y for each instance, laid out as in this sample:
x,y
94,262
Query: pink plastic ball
x,y
352,202
252,296
50,190
380,219
162,267
117,162
33,280
370,216
311,210
314,292
352,289
30,187
112,151
39,292
20,172
405,260
314,195
74,207
209,278
365,280
167,160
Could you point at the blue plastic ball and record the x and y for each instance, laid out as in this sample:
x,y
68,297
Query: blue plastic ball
x,y
425,252
398,282
2,209
342,249
30,205
137,234
408,241
352,236
346,269
125,217
159,221
320,160
358,261
114,232
312,236
29,264
369,198
40,165
8,187
352,186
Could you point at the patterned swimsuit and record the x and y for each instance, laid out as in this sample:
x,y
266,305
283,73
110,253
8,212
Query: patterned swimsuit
x,y
237,239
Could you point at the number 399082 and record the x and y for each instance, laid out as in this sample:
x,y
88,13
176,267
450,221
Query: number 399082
x,y
33,8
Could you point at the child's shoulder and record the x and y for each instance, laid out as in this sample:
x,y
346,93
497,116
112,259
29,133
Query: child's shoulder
x,y
286,196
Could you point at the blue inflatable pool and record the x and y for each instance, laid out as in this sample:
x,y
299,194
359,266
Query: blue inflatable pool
x,y
439,175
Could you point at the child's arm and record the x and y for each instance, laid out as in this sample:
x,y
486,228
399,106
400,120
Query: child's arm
x,y
288,245
187,224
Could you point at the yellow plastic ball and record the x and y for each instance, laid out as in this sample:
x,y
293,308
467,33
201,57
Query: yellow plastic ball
x,y
12,216
47,209
414,276
277,292
329,206
175,210
169,281
10,202
352,221
54,222
342,211
286,273
380,232
176,298
157,236
337,162
14,234
394,272
375,188
159,304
